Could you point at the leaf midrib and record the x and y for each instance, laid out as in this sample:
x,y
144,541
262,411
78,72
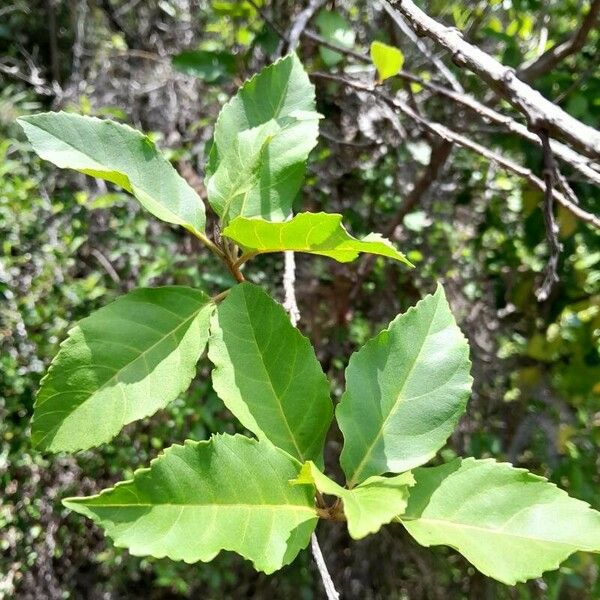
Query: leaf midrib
x,y
362,463
115,376
498,531
291,507
275,394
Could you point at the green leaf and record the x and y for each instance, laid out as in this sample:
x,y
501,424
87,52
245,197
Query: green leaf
x,y
314,233
388,60
405,392
227,493
510,524
209,66
334,28
367,507
262,139
122,363
267,373
121,155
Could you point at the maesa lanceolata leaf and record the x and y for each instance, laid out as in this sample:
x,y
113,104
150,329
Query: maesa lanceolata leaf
x,y
405,392
314,233
122,363
510,524
121,155
388,60
368,506
267,373
262,139
227,493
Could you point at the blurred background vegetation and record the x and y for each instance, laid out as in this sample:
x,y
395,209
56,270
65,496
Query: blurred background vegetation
x,y
70,244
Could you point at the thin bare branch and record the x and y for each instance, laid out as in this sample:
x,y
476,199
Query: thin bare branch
x,y
560,150
440,153
549,59
539,111
300,23
289,279
452,136
439,65
330,590
551,271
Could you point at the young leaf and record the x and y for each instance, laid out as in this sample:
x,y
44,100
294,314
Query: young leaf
x,y
367,507
267,373
510,524
227,493
121,155
334,28
405,391
262,139
388,60
314,233
122,363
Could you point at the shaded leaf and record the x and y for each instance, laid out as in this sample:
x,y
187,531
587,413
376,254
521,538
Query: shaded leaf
x,y
122,363
510,524
227,493
267,374
334,28
405,391
210,66
121,155
367,507
388,60
314,233
262,139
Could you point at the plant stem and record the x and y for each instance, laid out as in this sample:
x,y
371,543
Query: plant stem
x,y
208,243
330,590
220,297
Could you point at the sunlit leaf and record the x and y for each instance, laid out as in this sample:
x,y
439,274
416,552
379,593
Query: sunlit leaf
x,y
122,363
267,374
367,507
314,233
262,139
121,155
227,493
405,392
510,524
388,60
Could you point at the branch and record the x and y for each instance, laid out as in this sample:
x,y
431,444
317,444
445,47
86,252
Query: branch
x,y
289,291
549,59
439,155
560,150
441,67
289,280
330,590
551,274
452,136
540,112
300,22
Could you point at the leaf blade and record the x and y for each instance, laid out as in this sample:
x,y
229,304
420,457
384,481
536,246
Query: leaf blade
x,y
189,504
334,28
406,388
121,155
267,374
367,507
109,368
313,233
262,139
502,519
388,60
